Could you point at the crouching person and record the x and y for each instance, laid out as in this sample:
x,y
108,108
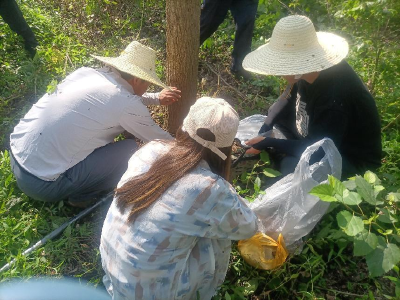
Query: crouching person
x,y
168,232
63,147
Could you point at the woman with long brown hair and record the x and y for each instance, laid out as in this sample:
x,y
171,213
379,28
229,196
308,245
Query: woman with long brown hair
x,y
168,232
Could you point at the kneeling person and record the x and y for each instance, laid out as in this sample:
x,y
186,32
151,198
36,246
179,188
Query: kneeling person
x,y
168,232
63,147
324,98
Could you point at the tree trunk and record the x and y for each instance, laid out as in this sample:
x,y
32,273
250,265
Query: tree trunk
x,y
183,34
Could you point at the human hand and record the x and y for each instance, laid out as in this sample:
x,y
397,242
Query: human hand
x,y
252,142
169,96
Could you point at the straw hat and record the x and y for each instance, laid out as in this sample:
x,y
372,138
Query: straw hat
x,y
216,115
295,48
137,60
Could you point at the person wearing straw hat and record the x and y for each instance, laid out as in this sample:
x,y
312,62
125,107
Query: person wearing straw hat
x,y
168,231
63,148
324,97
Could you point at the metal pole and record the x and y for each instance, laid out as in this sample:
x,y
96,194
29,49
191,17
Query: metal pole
x,y
57,231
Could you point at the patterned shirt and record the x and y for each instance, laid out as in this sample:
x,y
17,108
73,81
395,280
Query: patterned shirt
x,y
179,247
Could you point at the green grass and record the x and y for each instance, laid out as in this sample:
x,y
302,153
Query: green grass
x,y
69,31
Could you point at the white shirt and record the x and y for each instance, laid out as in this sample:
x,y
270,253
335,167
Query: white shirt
x,y
179,247
87,111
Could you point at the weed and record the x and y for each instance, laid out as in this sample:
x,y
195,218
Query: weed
x,y
68,31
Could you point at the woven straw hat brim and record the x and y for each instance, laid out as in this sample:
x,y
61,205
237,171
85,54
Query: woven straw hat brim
x,y
332,49
128,67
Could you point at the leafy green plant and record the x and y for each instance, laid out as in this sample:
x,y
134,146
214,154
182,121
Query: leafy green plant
x,y
249,184
68,30
369,219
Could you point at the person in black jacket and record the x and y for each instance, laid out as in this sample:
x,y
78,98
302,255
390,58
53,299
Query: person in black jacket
x,y
324,98
12,15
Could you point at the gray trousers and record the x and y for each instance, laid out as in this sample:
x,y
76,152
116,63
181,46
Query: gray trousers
x,y
96,175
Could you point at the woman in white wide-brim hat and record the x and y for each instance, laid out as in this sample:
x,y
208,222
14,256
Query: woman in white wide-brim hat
x,y
168,232
63,148
324,97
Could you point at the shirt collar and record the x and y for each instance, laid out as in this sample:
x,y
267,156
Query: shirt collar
x,y
117,77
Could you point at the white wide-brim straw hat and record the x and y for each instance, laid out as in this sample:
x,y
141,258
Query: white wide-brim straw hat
x,y
295,48
216,115
137,60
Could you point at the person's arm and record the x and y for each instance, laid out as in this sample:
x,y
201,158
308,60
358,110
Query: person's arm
x,y
151,99
167,96
225,214
330,123
277,109
137,120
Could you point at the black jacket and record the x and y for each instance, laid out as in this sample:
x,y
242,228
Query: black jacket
x,y
336,105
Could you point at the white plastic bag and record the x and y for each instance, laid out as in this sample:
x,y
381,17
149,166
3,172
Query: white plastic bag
x,y
249,127
287,208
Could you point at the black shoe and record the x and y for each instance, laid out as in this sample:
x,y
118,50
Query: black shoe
x,y
241,73
31,51
31,48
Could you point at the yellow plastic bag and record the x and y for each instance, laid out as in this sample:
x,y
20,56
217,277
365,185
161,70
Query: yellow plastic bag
x,y
263,252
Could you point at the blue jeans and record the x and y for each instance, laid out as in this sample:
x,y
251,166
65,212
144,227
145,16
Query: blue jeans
x,y
97,174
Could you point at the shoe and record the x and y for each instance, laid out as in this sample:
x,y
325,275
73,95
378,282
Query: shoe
x,y
30,47
239,72
31,52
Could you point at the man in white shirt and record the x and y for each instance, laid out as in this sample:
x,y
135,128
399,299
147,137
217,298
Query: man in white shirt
x,y
63,147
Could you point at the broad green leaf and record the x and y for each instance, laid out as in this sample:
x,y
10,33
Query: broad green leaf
x,y
324,192
371,177
385,216
264,156
227,296
383,259
365,190
365,243
396,238
271,172
336,184
393,197
378,189
352,198
350,184
250,287
351,224
374,259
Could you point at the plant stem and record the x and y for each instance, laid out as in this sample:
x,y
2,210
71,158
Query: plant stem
x,y
339,292
390,123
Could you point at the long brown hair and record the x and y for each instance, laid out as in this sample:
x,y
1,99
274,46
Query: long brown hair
x,y
184,155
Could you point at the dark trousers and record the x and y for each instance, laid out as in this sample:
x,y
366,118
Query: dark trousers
x,y
244,12
97,174
12,15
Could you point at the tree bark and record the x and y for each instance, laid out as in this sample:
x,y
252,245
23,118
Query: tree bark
x,y
183,34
